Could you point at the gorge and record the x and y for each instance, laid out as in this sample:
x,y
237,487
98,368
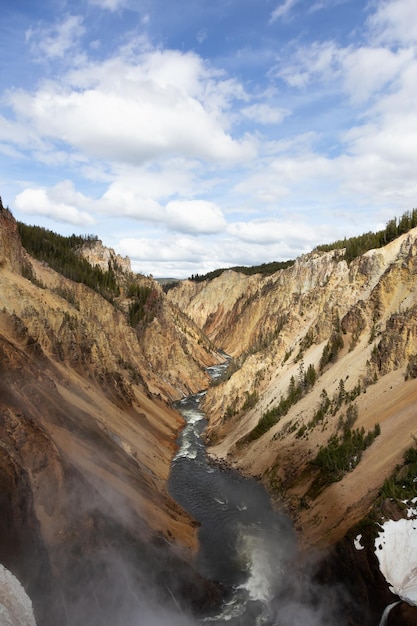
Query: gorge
x,y
322,353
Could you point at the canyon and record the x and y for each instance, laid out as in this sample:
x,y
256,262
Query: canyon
x,y
276,327
88,428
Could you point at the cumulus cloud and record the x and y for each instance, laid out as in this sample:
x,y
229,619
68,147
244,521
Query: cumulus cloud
x,y
274,231
195,216
375,156
184,249
134,110
244,243
59,203
157,130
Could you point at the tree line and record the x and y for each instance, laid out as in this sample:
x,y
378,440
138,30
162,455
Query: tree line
x,y
355,246
61,254
266,269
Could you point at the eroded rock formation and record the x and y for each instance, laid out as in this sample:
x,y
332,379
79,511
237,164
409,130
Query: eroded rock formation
x,y
355,325
87,437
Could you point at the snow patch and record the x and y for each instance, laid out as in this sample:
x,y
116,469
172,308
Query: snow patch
x,y
357,542
396,550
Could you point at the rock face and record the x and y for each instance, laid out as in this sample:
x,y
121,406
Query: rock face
x,y
11,253
97,254
87,437
352,330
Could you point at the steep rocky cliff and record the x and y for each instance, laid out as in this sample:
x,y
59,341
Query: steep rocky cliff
x,y
320,349
87,436
97,254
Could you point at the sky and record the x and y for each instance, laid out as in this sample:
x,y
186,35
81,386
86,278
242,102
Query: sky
x,y
194,134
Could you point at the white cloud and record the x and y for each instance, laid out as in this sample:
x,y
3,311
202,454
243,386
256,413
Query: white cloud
x,y
394,22
124,198
164,103
375,157
325,4
110,5
321,60
367,70
361,72
265,114
195,216
250,243
288,175
185,249
283,10
140,193
58,203
262,232
56,41
20,135
157,130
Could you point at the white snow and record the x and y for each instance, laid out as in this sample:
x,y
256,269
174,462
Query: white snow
x,y
15,605
357,542
396,550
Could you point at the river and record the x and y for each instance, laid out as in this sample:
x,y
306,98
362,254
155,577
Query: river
x,y
244,543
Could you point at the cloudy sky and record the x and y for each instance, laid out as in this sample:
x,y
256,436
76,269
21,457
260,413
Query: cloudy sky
x,y
195,134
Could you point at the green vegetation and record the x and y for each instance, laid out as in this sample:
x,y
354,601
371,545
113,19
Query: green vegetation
x,y
400,487
296,390
251,400
60,253
67,295
411,371
167,286
402,484
144,305
266,269
331,350
341,455
355,246
29,274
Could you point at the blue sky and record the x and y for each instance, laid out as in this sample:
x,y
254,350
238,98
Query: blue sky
x,y
191,135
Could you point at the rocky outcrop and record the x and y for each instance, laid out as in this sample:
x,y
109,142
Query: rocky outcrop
x,y
97,254
11,252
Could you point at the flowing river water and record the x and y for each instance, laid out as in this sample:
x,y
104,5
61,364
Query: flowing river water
x,y
244,543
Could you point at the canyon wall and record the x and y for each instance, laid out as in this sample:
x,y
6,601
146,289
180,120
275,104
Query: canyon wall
x,y
314,346
87,435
